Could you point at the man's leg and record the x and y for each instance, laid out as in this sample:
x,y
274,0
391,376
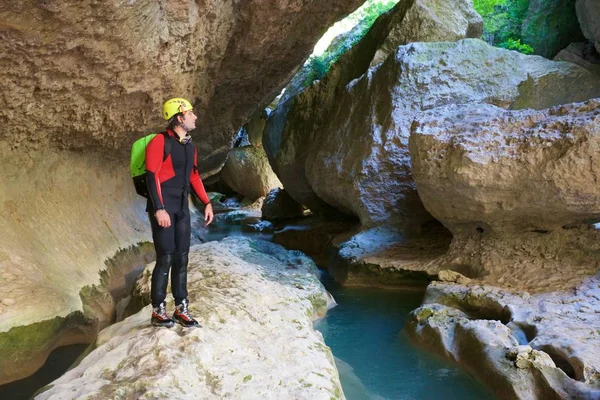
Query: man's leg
x,y
180,260
164,244
179,269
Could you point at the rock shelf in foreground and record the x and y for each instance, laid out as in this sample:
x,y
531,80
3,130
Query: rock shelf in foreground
x,y
255,302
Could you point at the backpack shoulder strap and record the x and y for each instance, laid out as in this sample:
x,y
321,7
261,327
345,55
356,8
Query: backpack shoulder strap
x,y
167,145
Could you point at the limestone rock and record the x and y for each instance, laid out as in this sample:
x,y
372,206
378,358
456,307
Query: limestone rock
x,y
508,170
255,302
322,116
475,326
97,76
588,13
447,275
432,21
247,171
362,164
279,205
386,257
255,128
518,190
79,84
550,26
62,217
581,54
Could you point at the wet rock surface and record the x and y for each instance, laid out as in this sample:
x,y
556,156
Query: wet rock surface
x,y
247,171
279,205
387,257
523,346
314,237
241,291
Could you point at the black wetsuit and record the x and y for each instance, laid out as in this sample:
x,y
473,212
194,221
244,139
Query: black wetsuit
x,y
169,186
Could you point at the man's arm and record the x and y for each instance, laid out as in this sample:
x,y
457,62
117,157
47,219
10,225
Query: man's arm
x,y
154,159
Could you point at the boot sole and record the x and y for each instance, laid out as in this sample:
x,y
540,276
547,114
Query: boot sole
x,y
186,325
163,324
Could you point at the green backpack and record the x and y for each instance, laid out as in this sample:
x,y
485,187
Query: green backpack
x,y
137,163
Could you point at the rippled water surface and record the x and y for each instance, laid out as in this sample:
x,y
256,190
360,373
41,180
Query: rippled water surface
x,y
374,356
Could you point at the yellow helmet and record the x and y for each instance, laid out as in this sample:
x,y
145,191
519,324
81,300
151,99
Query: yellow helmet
x,y
175,106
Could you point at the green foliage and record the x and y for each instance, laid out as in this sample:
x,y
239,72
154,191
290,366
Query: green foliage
x,y
512,44
502,22
318,66
363,19
486,8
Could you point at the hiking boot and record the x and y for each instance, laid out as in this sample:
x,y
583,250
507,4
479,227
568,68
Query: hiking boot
x,y
160,317
182,315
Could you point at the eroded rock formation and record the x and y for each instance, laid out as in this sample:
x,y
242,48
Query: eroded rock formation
x,y
335,144
241,292
431,21
543,346
516,189
97,76
358,159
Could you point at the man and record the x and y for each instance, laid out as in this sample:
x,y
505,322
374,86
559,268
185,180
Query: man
x,y
169,179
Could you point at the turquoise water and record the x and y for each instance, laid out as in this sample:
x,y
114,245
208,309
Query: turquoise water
x,y
374,356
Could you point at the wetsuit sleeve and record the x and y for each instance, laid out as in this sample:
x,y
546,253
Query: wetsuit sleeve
x,y
196,182
154,159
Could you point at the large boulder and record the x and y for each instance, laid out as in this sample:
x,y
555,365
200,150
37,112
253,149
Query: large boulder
x,y
302,124
508,170
523,346
582,54
432,21
550,26
248,172
387,257
517,189
279,205
256,303
358,160
588,13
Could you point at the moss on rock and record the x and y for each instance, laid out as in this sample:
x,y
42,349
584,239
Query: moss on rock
x,y
29,346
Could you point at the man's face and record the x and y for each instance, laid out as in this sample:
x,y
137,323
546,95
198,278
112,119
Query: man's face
x,y
189,121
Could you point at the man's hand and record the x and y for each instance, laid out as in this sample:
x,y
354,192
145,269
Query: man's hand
x,y
208,214
163,218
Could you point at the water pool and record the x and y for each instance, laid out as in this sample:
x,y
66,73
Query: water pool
x,y
375,358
